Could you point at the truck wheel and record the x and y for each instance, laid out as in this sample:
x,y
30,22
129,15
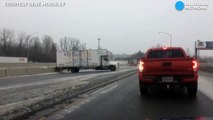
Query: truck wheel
x,y
143,88
192,89
75,70
72,70
112,68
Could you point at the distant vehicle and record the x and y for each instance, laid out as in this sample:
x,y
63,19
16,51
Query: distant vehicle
x,y
168,66
98,59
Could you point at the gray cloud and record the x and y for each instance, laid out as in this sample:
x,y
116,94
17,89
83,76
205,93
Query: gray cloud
x,y
124,26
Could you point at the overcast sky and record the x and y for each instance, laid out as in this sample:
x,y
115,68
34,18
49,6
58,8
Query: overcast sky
x,y
124,26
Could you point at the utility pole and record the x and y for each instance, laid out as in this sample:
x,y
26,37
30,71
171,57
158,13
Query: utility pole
x,y
196,49
99,40
170,36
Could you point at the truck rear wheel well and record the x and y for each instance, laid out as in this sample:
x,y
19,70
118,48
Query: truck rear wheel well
x,y
112,68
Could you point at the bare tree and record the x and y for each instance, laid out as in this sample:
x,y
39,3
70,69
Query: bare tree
x,y
68,43
36,49
53,53
47,43
22,44
76,45
83,46
49,48
157,46
22,39
188,52
6,37
64,43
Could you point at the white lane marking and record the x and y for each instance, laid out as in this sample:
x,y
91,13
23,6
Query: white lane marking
x,y
205,87
51,81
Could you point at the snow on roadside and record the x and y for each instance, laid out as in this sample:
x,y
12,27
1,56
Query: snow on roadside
x,y
24,95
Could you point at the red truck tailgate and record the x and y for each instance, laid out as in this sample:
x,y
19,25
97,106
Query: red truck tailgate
x,y
168,66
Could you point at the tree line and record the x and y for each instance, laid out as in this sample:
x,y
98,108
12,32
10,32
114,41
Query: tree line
x,y
36,49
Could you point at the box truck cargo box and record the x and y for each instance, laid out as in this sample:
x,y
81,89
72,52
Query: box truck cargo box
x,y
98,59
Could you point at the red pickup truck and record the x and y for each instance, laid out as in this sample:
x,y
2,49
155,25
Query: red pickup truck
x,y
168,66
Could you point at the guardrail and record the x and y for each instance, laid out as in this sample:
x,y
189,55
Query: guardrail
x,y
206,67
26,65
8,72
18,69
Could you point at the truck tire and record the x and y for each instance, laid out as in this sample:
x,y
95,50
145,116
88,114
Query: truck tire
x,y
192,89
72,70
144,88
75,70
112,68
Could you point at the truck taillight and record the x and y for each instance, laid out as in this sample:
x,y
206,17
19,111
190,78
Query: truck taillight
x,y
140,66
194,65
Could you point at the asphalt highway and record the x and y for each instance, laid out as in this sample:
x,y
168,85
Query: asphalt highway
x,y
118,101
122,101
22,95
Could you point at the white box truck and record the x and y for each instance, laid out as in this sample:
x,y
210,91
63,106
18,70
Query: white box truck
x,y
98,59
